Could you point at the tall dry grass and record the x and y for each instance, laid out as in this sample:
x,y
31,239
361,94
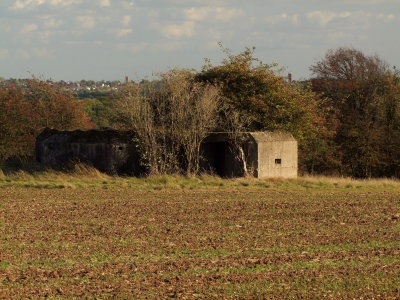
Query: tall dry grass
x,y
84,176
350,180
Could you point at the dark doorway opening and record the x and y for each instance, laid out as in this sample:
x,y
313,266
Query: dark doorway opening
x,y
218,158
220,150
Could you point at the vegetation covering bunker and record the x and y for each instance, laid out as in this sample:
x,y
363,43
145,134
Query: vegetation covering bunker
x,y
265,154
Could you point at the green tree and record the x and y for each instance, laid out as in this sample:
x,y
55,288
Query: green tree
x,y
98,110
256,89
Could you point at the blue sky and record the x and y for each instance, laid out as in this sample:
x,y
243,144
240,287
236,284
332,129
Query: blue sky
x,y
108,39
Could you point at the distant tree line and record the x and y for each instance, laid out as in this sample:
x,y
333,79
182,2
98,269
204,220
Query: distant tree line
x,y
346,117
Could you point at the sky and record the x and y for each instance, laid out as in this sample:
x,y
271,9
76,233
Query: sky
x,y
111,39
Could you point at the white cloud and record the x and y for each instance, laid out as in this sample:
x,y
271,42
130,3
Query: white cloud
x,y
104,3
214,34
366,20
197,14
22,53
371,1
52,23
195,26
28,28
38,52
43,53
3,53
123,32
87,22
386,17
336,37
74,43
45,36
26,4
294,19
341,37
354,20
5,28
129,4
186,29
326,17
140,47
212,45
126,20
212,13
170,46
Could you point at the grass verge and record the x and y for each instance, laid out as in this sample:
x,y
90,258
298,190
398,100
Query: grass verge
x,y
86,177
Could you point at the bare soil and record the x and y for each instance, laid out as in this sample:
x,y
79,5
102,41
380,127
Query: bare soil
x,y
241,242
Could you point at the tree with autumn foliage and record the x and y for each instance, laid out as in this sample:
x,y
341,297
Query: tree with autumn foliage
x,y
16,134
389,119
54,106
364,95
28,108
256,89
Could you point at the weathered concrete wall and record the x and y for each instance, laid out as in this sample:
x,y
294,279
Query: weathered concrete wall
x,y
277,155
277,159
268,155
110,151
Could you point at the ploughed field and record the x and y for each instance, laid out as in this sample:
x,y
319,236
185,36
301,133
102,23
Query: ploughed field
x,y
244,241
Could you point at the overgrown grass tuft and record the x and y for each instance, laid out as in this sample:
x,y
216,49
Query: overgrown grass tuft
x,y
80,169
83,176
